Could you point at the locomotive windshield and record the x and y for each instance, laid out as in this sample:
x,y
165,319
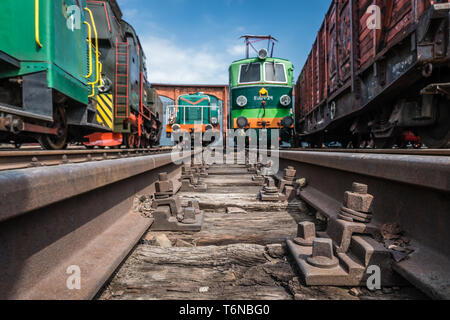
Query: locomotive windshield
x,y
250,73
275,72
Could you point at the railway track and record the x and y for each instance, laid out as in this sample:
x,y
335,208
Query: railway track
x,y
409,190
26,158
29,157
78,214
95,215
239,254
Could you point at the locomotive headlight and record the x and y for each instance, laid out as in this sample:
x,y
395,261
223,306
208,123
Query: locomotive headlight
x,y
241,101
214,121
285,100
263,54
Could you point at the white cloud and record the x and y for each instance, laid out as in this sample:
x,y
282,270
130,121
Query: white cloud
x,y
237,50
175,62
130,14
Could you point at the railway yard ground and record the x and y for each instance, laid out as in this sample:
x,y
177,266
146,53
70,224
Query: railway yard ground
x,y
149,158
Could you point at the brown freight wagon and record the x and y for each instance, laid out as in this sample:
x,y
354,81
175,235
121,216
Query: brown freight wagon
x,y
378,75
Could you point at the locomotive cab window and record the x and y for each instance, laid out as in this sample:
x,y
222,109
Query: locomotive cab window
x,y
250,73
275,72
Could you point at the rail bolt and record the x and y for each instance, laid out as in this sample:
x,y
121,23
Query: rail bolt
x,y
189,215
360,188
289,173
323,256
306,233
270,187
163,186
358,199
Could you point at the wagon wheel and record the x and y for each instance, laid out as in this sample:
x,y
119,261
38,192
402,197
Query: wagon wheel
x,y
354,142
438,135
317,143
58,142
384,143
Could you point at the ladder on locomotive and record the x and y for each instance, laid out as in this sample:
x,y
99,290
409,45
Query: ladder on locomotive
x,y
122,75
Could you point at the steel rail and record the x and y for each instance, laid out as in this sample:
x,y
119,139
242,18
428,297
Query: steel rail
x,y
410,152
73,221
20,159
410,190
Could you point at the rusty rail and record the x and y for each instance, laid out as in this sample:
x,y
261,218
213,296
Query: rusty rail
x,y
21,159
409,152
54,220
411,190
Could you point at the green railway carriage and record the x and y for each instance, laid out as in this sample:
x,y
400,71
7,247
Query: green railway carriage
x,y
261,93
44,75
72,71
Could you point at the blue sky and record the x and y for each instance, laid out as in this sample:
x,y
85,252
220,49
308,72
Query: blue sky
x,y
194,41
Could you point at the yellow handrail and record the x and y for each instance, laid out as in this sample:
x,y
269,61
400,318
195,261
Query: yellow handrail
x,y
97,63
36,23
90,49
93,84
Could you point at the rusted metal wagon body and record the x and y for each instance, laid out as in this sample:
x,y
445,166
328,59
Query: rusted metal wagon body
x,y
378,74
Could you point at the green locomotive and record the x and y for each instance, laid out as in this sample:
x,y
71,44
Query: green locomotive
x,y
261,91
194,113
72,71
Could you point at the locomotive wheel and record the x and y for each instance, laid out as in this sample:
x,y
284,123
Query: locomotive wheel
x,y
58,142
146,143
438,136
129,141
137,141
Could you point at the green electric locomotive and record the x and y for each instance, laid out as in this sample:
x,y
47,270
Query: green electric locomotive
x,y
261,91
194,113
